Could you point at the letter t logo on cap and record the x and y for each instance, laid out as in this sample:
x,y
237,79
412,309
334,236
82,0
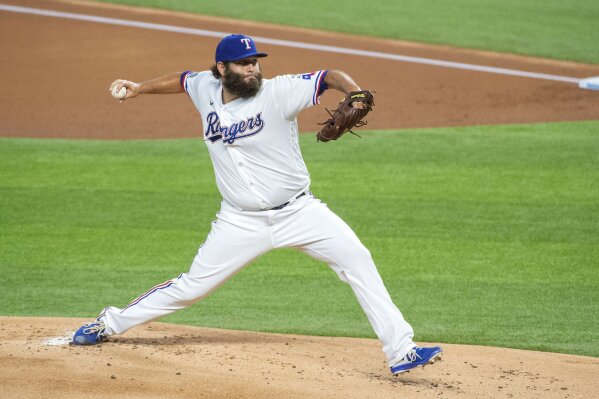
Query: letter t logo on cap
x,y
247,43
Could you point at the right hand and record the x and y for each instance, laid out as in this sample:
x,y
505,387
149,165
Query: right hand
x,y
132,88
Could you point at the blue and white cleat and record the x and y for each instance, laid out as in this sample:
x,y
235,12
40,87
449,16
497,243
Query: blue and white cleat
x,y
417,357
90,334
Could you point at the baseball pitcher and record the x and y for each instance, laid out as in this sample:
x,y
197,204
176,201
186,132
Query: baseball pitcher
x,y
251,131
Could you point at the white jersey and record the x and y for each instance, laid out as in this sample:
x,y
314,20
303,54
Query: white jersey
x,y
253,142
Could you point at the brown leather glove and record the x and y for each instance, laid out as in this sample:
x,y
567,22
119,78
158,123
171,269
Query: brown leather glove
x,y
346,117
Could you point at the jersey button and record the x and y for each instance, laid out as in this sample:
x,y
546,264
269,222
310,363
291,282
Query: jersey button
x,y
240,164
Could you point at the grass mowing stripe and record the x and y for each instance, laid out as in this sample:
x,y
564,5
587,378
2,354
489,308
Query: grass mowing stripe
x,y
551,28
484,235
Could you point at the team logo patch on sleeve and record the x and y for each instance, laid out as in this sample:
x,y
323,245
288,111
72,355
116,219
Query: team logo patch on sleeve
x,y
305,76
183,80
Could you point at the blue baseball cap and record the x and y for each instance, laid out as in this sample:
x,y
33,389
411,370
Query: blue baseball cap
x,y
235,48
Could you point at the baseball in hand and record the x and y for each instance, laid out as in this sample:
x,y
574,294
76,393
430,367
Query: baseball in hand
x,y
119,95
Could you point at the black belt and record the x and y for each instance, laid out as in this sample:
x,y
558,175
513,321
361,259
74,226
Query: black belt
x,y
287,203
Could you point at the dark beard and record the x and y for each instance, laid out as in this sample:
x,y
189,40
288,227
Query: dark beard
x,y
235,84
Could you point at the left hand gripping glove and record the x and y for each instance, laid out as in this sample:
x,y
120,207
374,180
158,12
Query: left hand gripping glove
x,y
346,117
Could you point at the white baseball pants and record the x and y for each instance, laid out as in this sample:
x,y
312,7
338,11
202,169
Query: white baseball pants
x,y
238,237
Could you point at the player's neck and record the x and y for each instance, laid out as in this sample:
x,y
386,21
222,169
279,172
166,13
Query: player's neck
x,y
228,97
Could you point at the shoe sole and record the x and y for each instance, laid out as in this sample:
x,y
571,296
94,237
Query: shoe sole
x,y
436,358
83,341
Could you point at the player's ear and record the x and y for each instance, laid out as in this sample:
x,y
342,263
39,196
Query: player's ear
x,y
221,68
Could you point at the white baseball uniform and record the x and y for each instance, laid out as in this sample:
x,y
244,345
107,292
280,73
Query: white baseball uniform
x,y
264,182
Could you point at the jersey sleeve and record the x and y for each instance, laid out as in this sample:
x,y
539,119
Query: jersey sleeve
x,y
295,93
192,82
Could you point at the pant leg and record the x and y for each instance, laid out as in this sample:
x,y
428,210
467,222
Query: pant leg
x,y
314,229
233,242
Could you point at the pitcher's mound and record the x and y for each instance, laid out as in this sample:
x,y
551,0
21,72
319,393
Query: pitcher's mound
x,y
171,361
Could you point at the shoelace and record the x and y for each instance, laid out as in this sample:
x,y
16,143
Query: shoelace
x,y
412,356
94,328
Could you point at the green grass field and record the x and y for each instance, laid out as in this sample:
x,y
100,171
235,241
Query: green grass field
x,y
483,235
558,29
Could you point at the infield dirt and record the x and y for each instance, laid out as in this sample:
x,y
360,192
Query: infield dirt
x,y
55,76
168,361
